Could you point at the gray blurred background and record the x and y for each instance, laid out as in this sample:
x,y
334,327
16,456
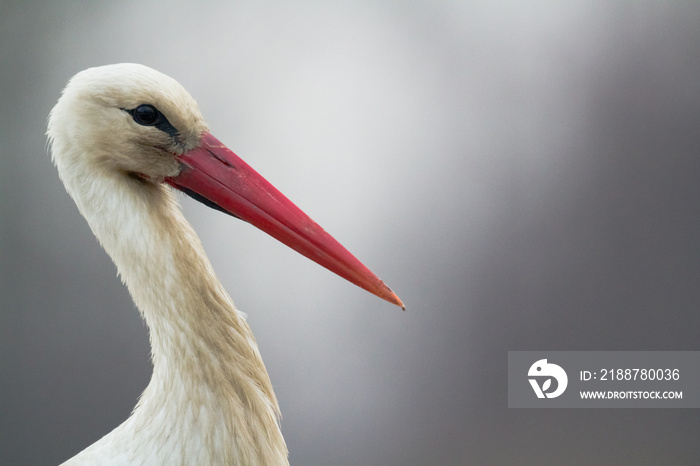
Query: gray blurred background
x,y
524,175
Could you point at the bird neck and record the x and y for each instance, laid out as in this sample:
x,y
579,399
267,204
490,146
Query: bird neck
x,y
209,391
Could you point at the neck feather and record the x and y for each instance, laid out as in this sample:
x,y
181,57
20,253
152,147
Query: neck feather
x,y
210,399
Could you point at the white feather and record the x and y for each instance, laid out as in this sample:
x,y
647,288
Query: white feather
x,y
210,400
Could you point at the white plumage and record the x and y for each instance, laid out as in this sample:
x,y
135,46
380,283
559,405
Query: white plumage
x,y
210,400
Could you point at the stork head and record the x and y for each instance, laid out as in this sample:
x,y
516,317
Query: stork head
x,y
125,118
131,122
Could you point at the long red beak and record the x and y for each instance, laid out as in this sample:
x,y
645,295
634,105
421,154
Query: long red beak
x,y
214,175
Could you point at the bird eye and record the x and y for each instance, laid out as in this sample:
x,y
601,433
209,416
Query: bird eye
x,y
146,115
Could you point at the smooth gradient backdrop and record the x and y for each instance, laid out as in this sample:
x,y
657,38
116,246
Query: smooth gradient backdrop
x,y
525,175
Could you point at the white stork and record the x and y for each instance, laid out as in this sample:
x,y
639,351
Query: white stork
x,y
121,136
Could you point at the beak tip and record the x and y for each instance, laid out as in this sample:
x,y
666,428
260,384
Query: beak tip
x,y
394,299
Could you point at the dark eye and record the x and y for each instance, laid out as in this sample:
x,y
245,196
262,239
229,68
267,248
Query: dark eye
x,y
146,115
